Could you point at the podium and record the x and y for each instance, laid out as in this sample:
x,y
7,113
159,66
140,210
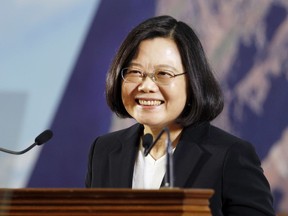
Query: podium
x,y
104,202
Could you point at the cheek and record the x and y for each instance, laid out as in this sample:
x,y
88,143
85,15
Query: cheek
x,y
127,93
178,92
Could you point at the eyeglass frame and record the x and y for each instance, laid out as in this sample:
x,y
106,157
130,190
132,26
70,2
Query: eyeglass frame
x,y
152,76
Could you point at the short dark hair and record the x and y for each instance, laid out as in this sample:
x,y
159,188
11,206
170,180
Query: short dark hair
x,y
205,99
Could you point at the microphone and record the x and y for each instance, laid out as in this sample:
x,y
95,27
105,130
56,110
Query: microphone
x,y
147,138
146,142
39,140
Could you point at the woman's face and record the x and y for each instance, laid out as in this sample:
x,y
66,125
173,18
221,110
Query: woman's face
x,y
149,103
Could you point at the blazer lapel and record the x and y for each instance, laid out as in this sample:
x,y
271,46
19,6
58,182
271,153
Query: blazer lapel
x,y
121,160
188,155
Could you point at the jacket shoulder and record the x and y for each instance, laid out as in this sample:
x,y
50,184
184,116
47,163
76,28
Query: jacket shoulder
x,y
112,139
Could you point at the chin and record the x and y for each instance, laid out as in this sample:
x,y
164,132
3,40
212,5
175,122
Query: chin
x,y
152,122
152,119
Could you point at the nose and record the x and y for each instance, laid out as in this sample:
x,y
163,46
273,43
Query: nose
x,y
148,85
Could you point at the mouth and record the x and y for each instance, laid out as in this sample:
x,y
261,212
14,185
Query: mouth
x,y
149,102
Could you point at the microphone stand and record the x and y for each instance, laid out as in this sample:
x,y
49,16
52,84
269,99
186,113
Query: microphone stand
x,y
169,176
39,140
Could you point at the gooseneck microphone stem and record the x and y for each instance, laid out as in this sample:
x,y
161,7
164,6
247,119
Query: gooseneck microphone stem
x,y
169,176
147,150
18,152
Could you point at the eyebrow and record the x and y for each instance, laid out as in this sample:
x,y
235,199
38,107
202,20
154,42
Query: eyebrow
x,y
157,66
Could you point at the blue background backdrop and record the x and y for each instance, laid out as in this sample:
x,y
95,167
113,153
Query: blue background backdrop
x,y
53,61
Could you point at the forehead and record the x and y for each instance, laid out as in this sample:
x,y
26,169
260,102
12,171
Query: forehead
x,y
158,52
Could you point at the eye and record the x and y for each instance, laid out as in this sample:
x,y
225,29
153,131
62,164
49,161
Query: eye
x,y
164,74
132,72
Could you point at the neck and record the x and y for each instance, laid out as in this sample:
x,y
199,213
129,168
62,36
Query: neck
x,y
159,149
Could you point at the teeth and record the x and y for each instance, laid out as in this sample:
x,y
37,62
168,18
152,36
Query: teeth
x,y
150,102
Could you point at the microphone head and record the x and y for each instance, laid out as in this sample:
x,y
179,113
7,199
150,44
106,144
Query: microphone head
x,y
147,140
43,137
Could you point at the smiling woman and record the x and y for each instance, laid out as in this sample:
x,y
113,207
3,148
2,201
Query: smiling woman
x,y
160,77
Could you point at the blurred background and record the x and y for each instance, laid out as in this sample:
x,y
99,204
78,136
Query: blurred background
x,y
53,61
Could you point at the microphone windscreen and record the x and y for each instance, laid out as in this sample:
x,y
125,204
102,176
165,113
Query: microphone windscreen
x,y
43,137
147,140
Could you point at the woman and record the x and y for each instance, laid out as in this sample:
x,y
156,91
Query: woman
x,y
161,78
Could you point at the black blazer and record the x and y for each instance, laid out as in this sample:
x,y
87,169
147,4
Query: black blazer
x,y
205,157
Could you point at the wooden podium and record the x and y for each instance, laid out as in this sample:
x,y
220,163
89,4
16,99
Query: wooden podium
x,y
104,202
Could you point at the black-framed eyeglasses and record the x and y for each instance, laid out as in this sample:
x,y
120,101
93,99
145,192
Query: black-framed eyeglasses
x,y
160,76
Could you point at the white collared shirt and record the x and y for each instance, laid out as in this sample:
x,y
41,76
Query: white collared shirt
x,y
148,172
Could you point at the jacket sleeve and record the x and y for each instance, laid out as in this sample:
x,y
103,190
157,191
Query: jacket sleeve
x,y
88,180
246,191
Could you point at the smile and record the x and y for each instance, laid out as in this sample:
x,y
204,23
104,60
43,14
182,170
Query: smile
x,y
149,102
